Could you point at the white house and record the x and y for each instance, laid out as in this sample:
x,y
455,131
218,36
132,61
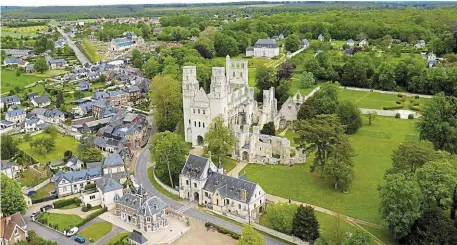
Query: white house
x,y
10,169
106,191
70,183
420,44
304,43
33,124
320,37
363,43
10,100
264,48
54,116
201,181
40,101
350,42
16,116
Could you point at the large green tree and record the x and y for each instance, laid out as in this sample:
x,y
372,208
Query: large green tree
x,y
268,129
219,138
281,215
249,236
41,65
339,166
168,151
401,200
292,43
91,154
305,225
326,99
412,155
9,147
350,116
307,80
166,97
12,198
438,123
225,45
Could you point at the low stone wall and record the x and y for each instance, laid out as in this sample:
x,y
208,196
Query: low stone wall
x,y
166,187
388,113
279,234
177,215
35,188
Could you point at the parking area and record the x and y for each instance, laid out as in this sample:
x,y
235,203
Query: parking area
x,y
198,231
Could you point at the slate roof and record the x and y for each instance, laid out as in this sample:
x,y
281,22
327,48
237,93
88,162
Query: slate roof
x,y
10,99
250,48
7,164
108,184
16,112
53,113
305,41
350,41
195,166
9,61
32,95
130,200
152,206
41,99
6,123
132,89
268,43
57,61
100,95
137,237
230,187
78,175
113,160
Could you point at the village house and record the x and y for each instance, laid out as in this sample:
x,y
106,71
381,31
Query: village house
x,y
30,68
14,61
363,43
11,169
320,37
83,85
201,181
13,229
136,238
54,116
134,94
105,192
33,124
9,101
19,53
57,63
117,98
6,126
350,42
16,116
263,48
70,183
156,31
40,101
420,44
74,163
130,40
304,43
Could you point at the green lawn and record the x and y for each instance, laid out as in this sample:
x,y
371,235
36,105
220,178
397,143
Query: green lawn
x,y
32,178
382,234
373,146
63,221
10,80
159,187
91,51
43,192
227,162
63,143
71,206
117,238
96,231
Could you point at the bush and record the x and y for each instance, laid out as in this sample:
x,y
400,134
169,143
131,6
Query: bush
x,y
66,202
89,186
416,97
392,107
416,104
397,115
410,116
398,102
89,206
221,230
400,95
92,216
85,209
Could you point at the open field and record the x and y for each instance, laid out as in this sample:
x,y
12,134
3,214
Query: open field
x,y
90,51
63,143
227,162
96,231
10,80
31,177
117,238
43,192
62,221
373,146
22,31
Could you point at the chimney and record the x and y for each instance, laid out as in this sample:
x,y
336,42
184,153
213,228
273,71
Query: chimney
x,y
244,194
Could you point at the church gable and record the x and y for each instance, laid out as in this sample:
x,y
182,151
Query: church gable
x,y
201,99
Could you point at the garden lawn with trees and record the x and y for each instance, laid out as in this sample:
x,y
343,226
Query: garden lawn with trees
x,y
373,146
10,80
96,231
43,192
31,177
62,143
61,221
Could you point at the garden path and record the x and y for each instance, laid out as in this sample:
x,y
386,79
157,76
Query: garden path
x,y
76,211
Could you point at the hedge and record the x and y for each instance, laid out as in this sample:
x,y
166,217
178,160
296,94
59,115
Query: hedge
x,y
410,116
66,202
397,115
89,186
392,107
234,235
92,216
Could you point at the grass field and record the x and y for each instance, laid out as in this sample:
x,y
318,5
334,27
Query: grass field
x,y
373,146
31,177
373,100
63,143
10,80
227,162
91,51
22,31
63,221
159,187
117,238
96,231
43,192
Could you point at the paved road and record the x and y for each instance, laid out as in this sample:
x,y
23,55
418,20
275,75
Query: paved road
x,y
141,177
81,57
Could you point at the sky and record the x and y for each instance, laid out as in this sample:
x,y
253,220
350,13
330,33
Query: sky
x,y
108,2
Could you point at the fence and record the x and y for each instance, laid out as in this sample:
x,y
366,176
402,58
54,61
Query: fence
x,y
166,187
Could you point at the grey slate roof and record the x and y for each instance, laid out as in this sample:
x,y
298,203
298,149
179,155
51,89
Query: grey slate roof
x,y
305,41
229,186
194,167
130,200
41,99
152,206
16,112
10,99
78,175
108,184
137,237
53,113
8,164
268,43
113,160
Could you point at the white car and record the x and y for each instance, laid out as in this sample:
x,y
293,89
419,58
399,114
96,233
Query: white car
x,y
72,231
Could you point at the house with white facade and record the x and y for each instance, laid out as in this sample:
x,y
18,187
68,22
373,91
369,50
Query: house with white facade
x,y
33,124
114,167
350,42
70,183
130,40
106,191
201,181
54,116
9,101
16,116
304,43
40,101
263,48
10,169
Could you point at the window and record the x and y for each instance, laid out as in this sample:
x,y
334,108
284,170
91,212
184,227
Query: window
x,y
195,123
199,124
189,121
204,112
203,124
82,185
239,206
198,111
195,185
92,197
194,111
149,219
206,194
64,188
187,182
227,201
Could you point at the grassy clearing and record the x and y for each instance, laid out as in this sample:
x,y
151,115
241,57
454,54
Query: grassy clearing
x,y
30,31
43,192
382,234
96,231
10,80
373,146
71,206
91,51
159,187
375,100
62,221
63,143
117,238
227,162
31,177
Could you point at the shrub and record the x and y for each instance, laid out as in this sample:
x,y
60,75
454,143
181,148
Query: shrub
x,y
89,186
416,104
89,206
92,216
66,202
416,97
414,107
85,209
398,102
397,115
410,116
392,107
221,230
400,95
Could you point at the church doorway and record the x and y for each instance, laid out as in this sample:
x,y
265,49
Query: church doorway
x,y
196,197
200,140
245,156
260,209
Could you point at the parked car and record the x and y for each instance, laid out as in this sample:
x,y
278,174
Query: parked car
x,y
72,231
46,207
79,239
34,214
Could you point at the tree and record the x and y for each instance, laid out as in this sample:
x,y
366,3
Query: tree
x,y
339,166
204,51
168,151
386,77
166,96
91,154
268,129
43,145
280,215
11,196
412,155
78,94
400,204
219,138
249,236
438,123
326,99
51,130
225,45
371,117
59,99
151,68
437,181
9,147
359,238
350,116
305,225
41,65
307,80
320,135
292,43
264,80
285,71
307,110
